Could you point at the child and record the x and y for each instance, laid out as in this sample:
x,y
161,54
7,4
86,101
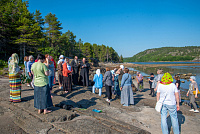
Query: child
x,y
98,77
178,83
150,83
139,79
193,87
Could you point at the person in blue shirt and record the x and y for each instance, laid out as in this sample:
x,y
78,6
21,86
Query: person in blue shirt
x,y
126,89
29,65
98,77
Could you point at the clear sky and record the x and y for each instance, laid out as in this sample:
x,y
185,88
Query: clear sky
x,y
129,26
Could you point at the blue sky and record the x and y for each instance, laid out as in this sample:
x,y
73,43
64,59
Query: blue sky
x,y
129,26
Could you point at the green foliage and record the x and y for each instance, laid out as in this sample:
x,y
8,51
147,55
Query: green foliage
x,y
3,63
25,79
166,54
28,33
121,59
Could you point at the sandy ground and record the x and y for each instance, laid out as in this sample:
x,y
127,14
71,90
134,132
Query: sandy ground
x,y
140,118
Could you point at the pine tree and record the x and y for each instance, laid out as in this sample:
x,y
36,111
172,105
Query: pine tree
x,y
53,29
121,58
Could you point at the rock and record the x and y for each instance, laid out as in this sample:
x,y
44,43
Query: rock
x,y
182,81
189,74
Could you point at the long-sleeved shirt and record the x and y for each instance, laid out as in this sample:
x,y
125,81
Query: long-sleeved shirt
x,y
65,70
108,78
29,65
126,80
98,81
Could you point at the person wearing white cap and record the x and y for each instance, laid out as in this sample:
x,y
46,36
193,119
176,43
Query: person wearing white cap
x,y
61,59
120,72
193,87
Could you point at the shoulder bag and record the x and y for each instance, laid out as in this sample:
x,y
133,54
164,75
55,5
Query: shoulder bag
x,y
160,103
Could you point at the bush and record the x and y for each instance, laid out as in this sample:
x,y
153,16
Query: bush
x,y
3,63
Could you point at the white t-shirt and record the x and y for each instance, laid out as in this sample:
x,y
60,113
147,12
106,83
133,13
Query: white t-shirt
x,y
171,89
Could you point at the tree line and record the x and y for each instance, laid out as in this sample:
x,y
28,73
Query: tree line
x,y
186,53
28,33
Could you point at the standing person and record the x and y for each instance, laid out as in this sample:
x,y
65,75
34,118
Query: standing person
x,y
121,73
126,89
54,63
139,79
193,87
98,77
157,79
14,79
84,74
167,91
108,84
51,68
116,84
60,73
75,67
25,70
178,83
61,57
29,65
42,96
150,83
67,82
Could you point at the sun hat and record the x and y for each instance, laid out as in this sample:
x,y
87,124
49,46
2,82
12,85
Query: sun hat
x,y
122,67
166,79
192,77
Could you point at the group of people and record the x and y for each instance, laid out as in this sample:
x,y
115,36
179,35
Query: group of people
x,y
42,71
119,80
69,73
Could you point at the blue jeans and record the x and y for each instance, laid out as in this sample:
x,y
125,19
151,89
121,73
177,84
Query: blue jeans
x,y
93,90
51,79
174,119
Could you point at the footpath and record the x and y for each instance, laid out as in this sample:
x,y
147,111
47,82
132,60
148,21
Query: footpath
x,y
72,113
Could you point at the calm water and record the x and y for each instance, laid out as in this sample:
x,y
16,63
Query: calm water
x,y
164,62
179,69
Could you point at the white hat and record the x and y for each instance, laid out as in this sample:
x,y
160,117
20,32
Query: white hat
x,y
61,56
192,77
122,67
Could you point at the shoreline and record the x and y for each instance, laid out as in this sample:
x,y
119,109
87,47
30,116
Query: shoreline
x,y
115,118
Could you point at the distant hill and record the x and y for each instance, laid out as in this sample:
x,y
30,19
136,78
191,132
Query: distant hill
x,y
167,54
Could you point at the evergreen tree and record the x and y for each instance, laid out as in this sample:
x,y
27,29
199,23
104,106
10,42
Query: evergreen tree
x,y
121,58
53,29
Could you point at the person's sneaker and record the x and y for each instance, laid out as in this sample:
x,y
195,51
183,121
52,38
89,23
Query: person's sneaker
x,y
192,110
125,105
196,111
107,100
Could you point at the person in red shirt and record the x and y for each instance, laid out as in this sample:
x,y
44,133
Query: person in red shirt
x,y
67,72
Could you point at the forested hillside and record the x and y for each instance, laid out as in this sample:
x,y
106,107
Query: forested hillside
x,y
167,54
28,33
